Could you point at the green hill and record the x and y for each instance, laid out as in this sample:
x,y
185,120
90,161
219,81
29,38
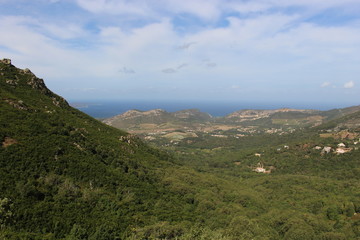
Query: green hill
x,y
64,173
159,117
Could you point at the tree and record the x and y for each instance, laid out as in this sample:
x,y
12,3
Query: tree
x,y
6,213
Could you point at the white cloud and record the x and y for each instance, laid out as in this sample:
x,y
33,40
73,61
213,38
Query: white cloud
x,y
211,65
186,45
206,10
350,84
116,7
168,70
325,84
249,7
65,31
182,66
127,70
209,10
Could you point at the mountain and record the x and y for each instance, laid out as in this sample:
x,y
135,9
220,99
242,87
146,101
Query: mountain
x,y
67,175
340,112
349,120
164,127
251,115
286,116
157,116
159,120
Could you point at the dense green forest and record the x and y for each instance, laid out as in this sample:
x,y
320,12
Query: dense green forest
x,y
65,175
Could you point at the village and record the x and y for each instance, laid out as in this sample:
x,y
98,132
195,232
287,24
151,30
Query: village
x,y
339,148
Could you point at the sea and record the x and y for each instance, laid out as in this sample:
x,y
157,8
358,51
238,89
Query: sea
x,y
105,109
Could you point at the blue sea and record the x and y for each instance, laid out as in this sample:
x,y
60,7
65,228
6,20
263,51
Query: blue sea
x,y
106,109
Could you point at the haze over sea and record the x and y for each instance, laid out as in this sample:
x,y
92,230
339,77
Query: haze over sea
x,y
106,109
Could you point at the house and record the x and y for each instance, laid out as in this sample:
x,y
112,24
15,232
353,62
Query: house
x,y
326,150
257,154
260,170
343,150
286,147
341,145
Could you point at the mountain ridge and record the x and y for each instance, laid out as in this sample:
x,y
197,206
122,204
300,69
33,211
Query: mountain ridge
x,y
238,115
172,125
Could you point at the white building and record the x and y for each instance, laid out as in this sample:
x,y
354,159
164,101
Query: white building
x,y
340,145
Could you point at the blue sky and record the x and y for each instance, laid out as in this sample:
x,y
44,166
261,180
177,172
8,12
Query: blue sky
x,y
221,50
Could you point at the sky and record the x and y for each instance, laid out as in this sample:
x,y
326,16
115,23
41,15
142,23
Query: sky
x,y
267,51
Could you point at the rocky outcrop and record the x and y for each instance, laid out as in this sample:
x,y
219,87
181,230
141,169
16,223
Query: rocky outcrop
x,y
19,104
16,77
6,61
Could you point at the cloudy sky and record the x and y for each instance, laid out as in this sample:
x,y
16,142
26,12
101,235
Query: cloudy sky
x,y
222,50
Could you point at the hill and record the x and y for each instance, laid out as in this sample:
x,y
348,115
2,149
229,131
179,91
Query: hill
x,y
64,174
166,128
157,116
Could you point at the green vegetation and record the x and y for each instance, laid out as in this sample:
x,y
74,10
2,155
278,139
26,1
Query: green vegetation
x,y
65,175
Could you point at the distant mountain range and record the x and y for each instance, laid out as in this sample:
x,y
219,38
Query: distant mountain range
x,y
157,116
193,118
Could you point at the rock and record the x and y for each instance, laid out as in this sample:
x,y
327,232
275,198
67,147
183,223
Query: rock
x,y
6,61
12,82
38,83
17,104
8,142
